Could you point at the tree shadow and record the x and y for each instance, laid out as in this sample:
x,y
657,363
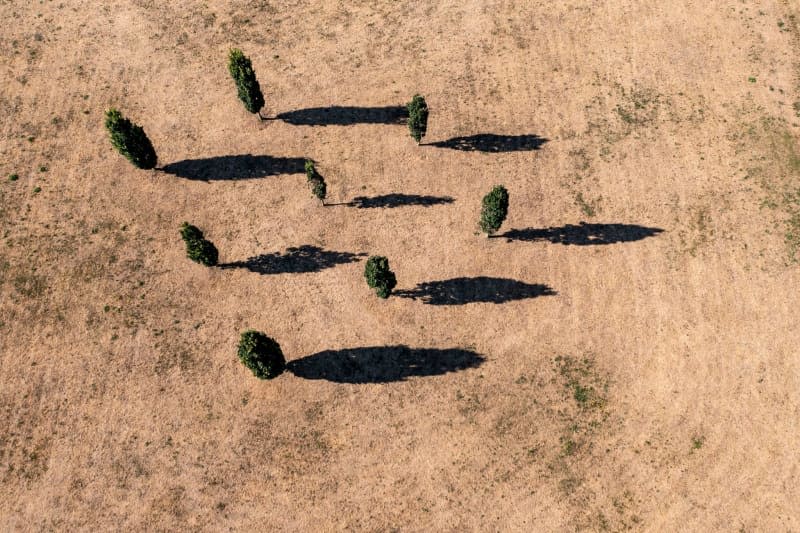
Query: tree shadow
x,y
235,167
460,291
383,364
306,258
490,142
344,116
399,200
583,234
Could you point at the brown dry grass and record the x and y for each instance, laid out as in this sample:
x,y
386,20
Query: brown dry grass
x,y
657,390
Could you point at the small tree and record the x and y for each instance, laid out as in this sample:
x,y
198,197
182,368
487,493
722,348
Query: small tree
x,y
130,140
379,277
261,354
494,210
319,189
317,182
311,171
241,69
418,117
198,248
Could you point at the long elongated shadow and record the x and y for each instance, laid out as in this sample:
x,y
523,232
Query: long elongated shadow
x,y
305,258
399,200
345,116
460,291
583,234
383,364
235,167
490,142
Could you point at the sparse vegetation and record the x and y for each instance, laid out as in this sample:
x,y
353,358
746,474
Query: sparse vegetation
x,y
247,86
588,208
130,140
774,164
679,269
494,210
379,277
198,248
261,354
581,393
418,117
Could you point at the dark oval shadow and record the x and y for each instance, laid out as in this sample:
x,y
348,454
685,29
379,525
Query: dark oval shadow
x,y
345,116
583,234
383,364
399,200
490,142
302,259
235,167
460,291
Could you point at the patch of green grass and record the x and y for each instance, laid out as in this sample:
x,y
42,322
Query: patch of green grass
x,y
37,190
582,381
640,106
30,285
588,208
793,234
568,485
751,79
701,227
780,179
568,447
625,115
581,393
697,442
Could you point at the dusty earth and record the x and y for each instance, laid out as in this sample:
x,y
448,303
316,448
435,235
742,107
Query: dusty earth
x,y
622,357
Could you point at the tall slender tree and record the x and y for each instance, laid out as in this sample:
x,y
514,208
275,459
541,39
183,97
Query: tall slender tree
x,y
130,140
494,209
198,248
417,117
379,277
319,188
241,70
316,181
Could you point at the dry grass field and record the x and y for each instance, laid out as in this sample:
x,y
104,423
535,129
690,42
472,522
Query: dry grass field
x,y
623,356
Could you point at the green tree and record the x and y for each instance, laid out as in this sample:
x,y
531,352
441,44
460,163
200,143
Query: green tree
x,y
311,171
198,248
379,277
130,140
319,188
494,210
316,181
418,117
261,354
241,70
